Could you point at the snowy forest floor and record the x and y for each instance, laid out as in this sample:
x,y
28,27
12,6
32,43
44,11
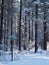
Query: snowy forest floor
x,y
25,58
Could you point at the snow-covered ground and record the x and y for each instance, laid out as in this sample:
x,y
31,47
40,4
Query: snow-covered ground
x,y
26,58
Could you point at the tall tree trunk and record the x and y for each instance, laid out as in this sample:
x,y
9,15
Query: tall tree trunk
x,y
45,27
32,26
25,32
1,25
45,44
29,28
29,32
11,39
20,25
36,12
11,31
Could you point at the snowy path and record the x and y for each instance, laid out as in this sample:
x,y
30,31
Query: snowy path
x,y
29,59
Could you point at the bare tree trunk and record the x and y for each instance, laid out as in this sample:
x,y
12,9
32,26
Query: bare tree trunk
x,y
1,25
29,29
11,32
45,44
45,27
32,27
11,39
36,12
20,25
25,32
29,32
4,26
